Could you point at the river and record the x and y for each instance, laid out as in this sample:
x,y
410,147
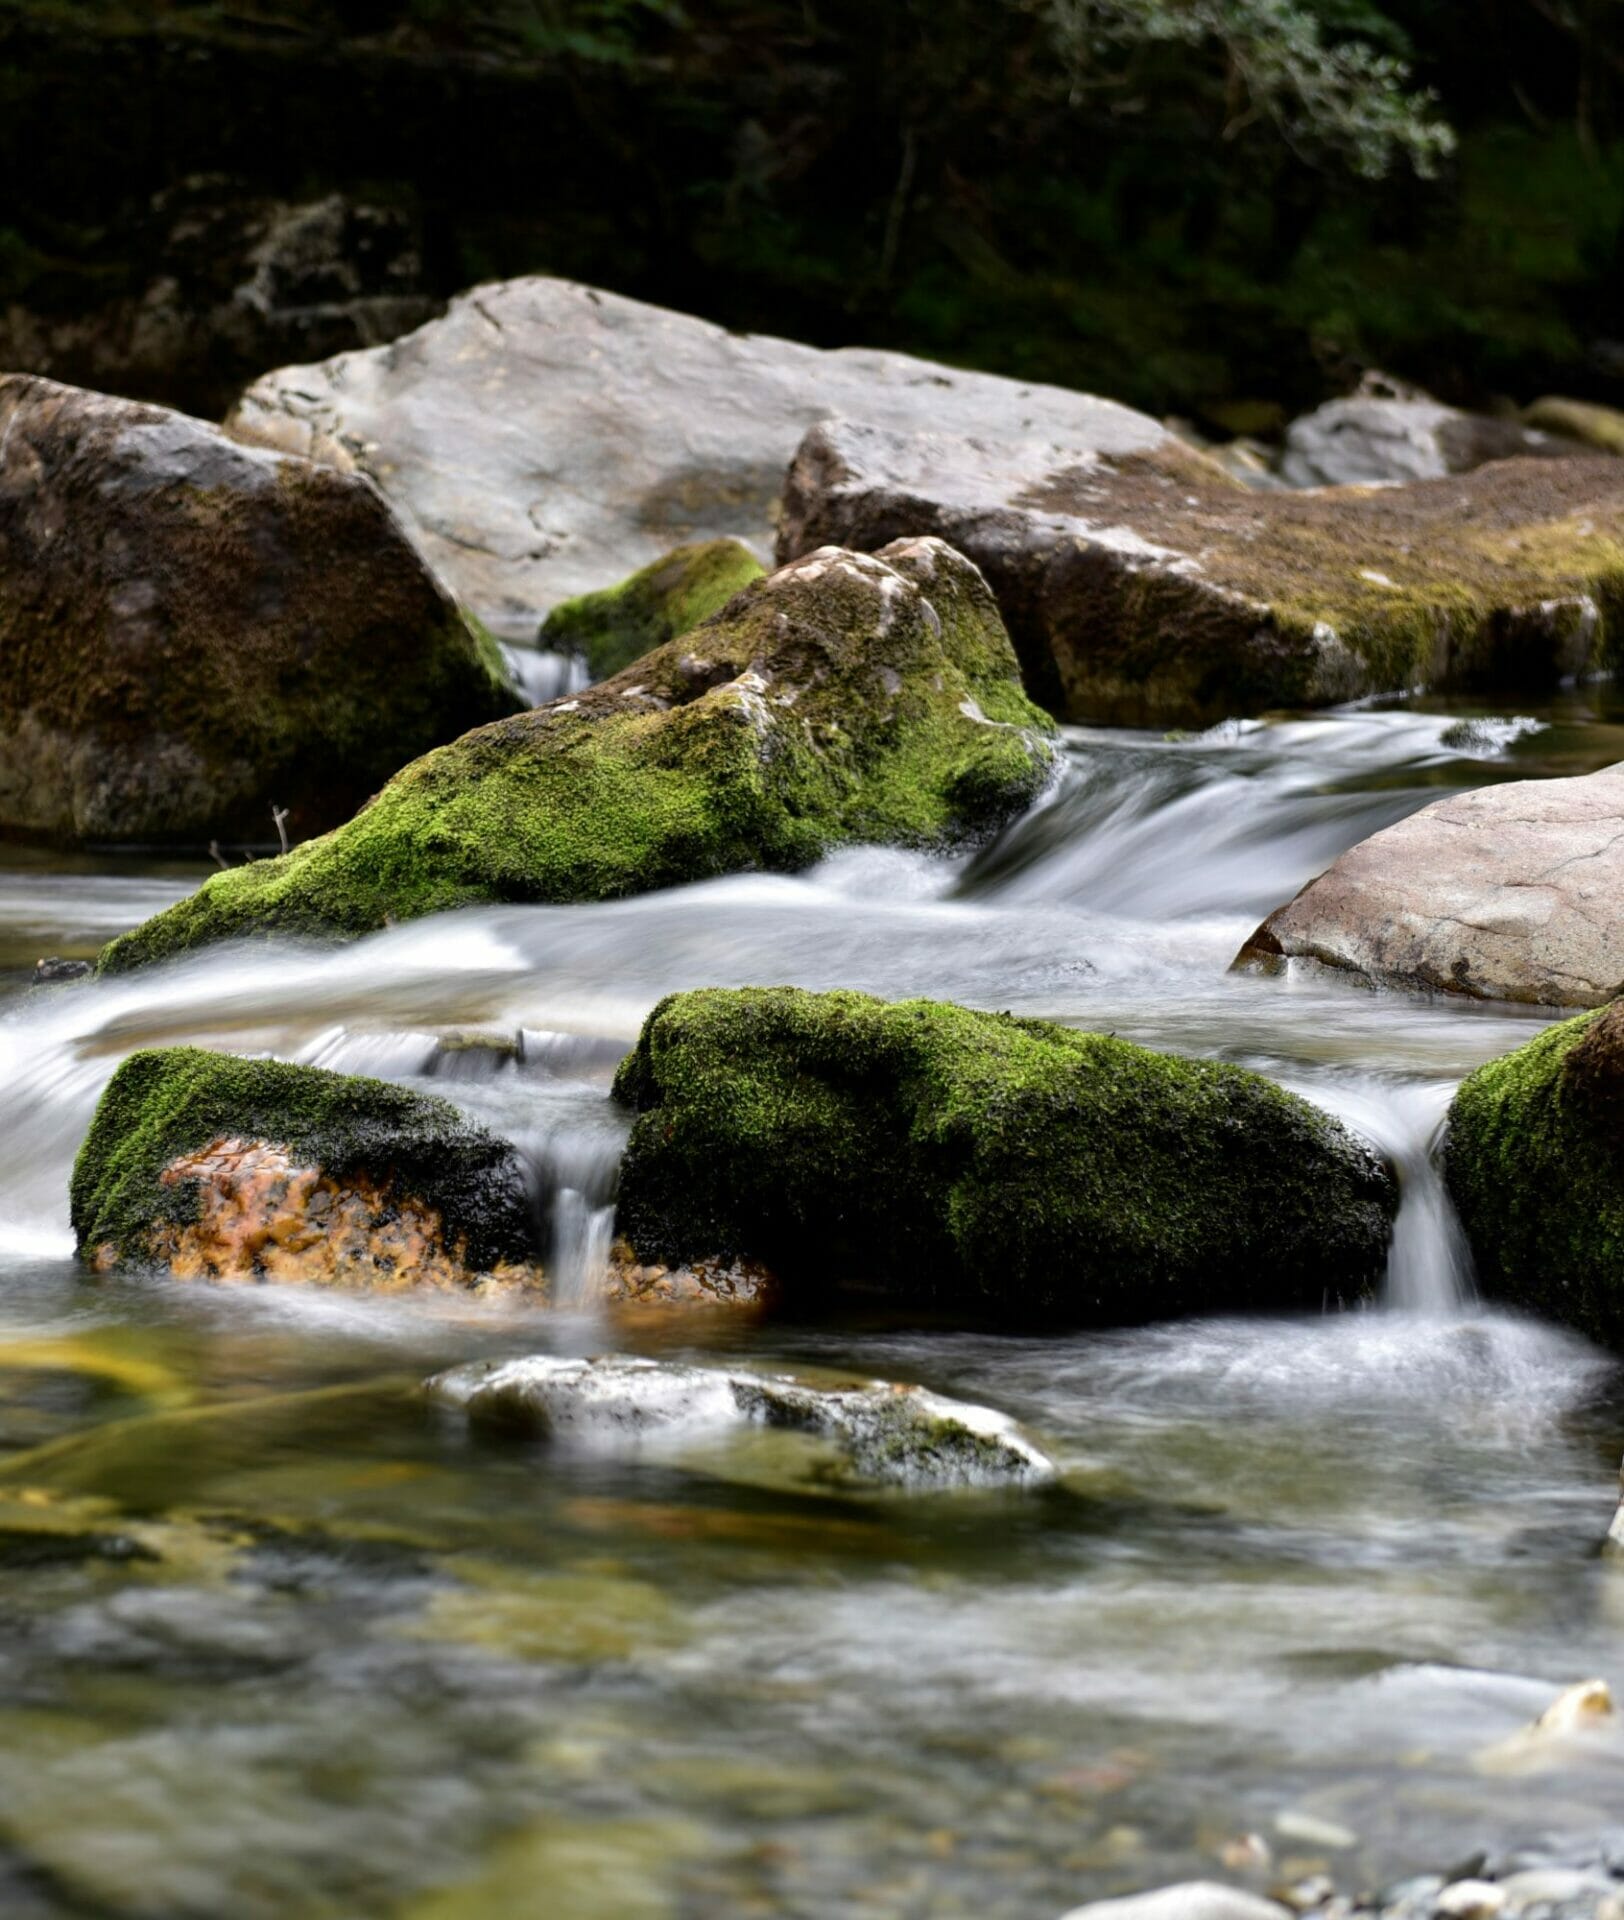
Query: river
x,y
280,1642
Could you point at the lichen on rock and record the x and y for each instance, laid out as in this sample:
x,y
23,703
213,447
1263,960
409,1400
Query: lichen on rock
x,y
213,1167
1140,588
617,625
928,1152
846,698
1534,1160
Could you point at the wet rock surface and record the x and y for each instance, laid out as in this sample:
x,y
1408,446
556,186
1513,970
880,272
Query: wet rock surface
x,y
486,429
882,1433
211,1167
923,1151
1139,588
1505,893
846,699
195,631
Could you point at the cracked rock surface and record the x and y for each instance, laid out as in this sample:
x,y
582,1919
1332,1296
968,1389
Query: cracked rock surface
x,y
1507,893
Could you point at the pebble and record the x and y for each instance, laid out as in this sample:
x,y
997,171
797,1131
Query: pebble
x,y
1313,1831
1188,1900
1470,1900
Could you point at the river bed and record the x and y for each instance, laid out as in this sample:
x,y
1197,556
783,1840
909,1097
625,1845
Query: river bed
x,y
281,1641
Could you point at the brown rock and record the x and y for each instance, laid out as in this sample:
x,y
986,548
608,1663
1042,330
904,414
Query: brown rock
x,y
1138,587
195,631
1508,893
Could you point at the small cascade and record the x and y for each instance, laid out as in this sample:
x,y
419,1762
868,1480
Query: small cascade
x,y
542,674
1429,1265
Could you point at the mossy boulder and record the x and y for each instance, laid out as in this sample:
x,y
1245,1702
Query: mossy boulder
x,y
613,627
1141,588
846,698
216,1167
195,631
932,1153
1534,1159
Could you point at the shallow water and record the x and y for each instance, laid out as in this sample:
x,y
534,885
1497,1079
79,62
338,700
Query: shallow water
x,y
281,1640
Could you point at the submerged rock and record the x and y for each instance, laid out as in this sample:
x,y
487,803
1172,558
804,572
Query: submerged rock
x,y
219,1168
1534,1160
844,699
883,1434
1506,893
1576,1716
1386,436
928,1152
613,627
194,631
1188,1900
1596,426
543,437
1139,587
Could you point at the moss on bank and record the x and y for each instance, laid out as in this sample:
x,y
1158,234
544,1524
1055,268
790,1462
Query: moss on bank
x,y
613,627
1534,1160
170,1102
846,698
930,1152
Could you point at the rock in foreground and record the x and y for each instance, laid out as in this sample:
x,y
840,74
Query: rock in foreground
x,y
847,698
615,626
194,631
1138,589
1506,893
218,1168
543,437
881,1434
1534,1159
927,1152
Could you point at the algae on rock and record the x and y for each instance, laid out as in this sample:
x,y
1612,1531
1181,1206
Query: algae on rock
x,y
925,1151
616,625
226,1168
846,698
1534,1160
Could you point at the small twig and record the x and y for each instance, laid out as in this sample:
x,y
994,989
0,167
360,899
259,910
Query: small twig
x,y
216,855
280,816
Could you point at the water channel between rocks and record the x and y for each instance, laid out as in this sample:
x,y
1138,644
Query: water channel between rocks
x,y
278,1642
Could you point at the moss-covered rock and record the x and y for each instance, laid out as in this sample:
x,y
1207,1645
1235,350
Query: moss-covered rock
x,y
1139,588
929,1152
221,1168
846,698
194,631
613,627
1534,1158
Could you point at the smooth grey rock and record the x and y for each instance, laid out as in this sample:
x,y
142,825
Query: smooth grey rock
x,y
887,1435
1188,1900
1470,1900
544,439
194,631
1144,586
1384,435
1507,893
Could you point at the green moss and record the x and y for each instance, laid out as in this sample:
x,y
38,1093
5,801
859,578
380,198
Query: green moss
x,y
171,1101
1535,1164
933,1152
837,701
662,601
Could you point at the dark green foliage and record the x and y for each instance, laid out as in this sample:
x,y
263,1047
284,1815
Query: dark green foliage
x,y
929,1152
173,1101
1535,1165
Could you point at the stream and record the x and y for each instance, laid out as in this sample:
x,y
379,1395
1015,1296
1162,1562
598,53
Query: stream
x,y
278,1641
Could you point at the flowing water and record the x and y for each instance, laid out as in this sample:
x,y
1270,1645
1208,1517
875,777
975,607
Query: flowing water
x,y
279,1641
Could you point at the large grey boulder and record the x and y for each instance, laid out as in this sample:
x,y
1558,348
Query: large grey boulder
x,y
1138,586
193,631
1387,436
1508,893
544,439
